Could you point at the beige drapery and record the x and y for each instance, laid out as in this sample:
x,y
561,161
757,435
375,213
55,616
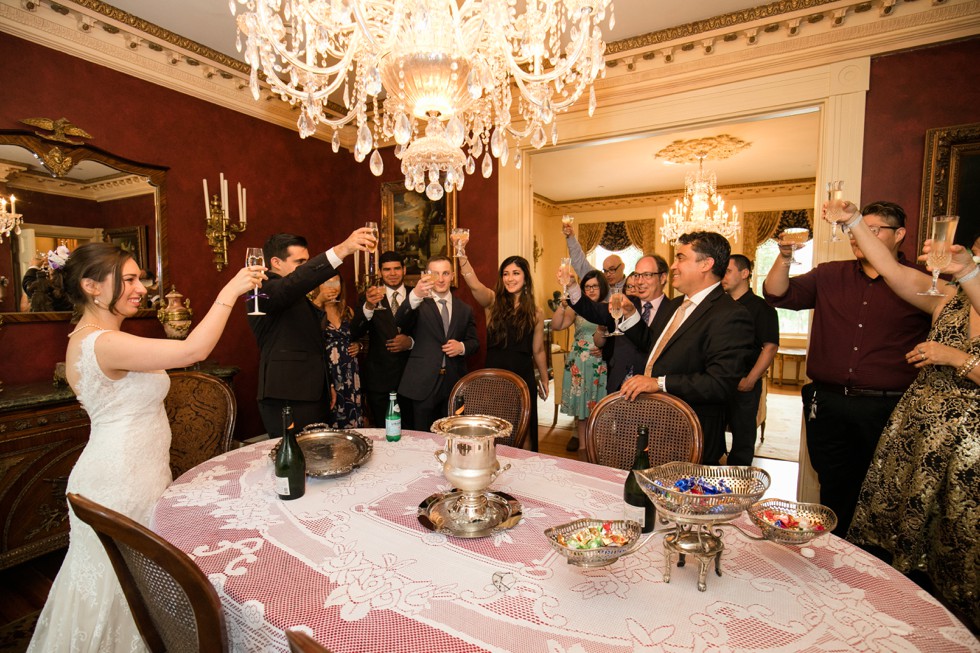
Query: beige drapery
x,y
758,227
589,235
642,234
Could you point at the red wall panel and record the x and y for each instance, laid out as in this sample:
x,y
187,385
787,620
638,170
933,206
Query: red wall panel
x,y
911,92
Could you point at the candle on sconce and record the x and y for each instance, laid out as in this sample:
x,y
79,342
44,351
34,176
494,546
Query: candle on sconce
x,y
207,202
357,268
244,204
224,195
240,202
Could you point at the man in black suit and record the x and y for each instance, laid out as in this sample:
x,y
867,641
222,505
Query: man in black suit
x,y
704,350
443,334
387,348
292,356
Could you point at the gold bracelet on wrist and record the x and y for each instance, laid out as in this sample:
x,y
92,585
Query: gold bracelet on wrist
x,y
220,303
964,370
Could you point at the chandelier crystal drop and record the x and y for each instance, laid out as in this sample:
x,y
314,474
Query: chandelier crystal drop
x,y
437,77
10,220
702,209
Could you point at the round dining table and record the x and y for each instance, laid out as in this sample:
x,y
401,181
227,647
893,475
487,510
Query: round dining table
x,y
351,564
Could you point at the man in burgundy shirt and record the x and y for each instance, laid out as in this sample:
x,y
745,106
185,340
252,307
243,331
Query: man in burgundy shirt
x,y
861,332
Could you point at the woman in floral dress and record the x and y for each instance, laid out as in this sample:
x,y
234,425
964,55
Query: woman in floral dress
x,y
585,371
342,350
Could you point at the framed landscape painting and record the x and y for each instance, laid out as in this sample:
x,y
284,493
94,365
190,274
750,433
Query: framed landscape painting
x,y
416,227
131,239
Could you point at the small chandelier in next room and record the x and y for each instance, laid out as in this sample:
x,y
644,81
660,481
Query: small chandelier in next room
x,y
702,208
436,76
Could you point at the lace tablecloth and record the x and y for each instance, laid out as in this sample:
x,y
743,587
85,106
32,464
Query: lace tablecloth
x,y
350,563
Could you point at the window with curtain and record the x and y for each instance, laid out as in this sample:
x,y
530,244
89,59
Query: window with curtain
x,y
791,323
630,256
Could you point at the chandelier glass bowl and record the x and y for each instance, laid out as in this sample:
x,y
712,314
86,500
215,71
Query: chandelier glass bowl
x,y
437,77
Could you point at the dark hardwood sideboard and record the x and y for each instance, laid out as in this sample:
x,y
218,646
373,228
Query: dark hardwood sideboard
x,y
43,430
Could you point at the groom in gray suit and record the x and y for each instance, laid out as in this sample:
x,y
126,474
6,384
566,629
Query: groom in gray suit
x,y
443,333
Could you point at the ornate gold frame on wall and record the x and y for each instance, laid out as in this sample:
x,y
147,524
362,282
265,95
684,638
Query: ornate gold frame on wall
x,y
950,179
394,193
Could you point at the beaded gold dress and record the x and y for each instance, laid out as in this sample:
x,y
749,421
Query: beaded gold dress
x,y
921,497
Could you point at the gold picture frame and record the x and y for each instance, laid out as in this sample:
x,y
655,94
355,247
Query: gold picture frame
x,y
133,240
951,180
416,227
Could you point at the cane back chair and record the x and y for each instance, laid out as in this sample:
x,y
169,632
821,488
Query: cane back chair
x,y
201,409
173,604
675,432
499,393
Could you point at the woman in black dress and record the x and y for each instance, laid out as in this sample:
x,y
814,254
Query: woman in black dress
x,y
515,327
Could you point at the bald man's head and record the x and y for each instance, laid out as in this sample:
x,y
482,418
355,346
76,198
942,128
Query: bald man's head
x,y
614,270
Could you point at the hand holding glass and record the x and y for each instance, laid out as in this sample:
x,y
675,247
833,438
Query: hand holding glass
x,y
460,237
835,207
254,256
616,311
940,256
428,277
795,238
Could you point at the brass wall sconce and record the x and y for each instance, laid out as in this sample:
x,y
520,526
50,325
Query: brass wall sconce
x,y
537,251
219,232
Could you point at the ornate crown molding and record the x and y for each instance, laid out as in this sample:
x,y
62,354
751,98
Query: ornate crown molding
x,y
98,190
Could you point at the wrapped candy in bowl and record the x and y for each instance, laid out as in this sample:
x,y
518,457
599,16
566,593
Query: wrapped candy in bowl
x,y
594,542
790,522
692,494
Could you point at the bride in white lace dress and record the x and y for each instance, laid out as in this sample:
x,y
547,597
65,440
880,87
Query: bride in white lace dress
x,y
120,380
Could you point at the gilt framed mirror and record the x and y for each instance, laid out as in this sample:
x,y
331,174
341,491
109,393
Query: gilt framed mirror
x,y
69,194
951,181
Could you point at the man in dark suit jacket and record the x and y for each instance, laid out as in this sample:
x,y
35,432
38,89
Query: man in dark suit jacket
x,y
437,360
704,350
388,348
292,356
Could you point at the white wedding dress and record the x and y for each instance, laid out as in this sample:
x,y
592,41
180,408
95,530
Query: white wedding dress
x,y
125,466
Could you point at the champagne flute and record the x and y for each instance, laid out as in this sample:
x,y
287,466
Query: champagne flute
x,y
943,233
795,237
460,236
372,254
835,207
567,220
254,256
565,276
616,311
426,274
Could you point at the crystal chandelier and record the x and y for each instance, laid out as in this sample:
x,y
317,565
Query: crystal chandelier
x,y
445,68
703,209
10,220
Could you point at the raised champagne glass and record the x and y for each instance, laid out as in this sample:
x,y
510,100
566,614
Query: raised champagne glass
x,y
567,220
460,236
835,207
943,233
254,256
616,311
565,276
426,274
372,255
795,237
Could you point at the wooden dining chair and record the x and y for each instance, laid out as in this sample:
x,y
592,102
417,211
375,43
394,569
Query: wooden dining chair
x,y
675,431
499,393
173,604
202,410
300,642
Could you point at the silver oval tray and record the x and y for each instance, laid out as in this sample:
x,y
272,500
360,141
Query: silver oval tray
x,y
502,512
331,452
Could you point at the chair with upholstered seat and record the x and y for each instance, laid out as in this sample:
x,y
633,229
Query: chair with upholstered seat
x,y
173,604
202,410
675,432
300,642
499,393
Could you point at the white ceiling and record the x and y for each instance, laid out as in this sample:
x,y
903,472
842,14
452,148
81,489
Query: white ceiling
x,y
782,147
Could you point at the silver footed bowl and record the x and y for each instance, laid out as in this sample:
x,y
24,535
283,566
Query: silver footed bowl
x,y
600,556
747,485
810,515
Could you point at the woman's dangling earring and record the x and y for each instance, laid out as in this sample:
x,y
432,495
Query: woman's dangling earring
x,y
95,300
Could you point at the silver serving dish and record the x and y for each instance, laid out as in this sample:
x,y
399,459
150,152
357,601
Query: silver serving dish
x,y
813,513
450,513
330,452
598,557
747,485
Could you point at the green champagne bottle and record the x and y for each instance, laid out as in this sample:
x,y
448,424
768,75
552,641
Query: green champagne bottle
x,y
290,462
639,507
393,419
